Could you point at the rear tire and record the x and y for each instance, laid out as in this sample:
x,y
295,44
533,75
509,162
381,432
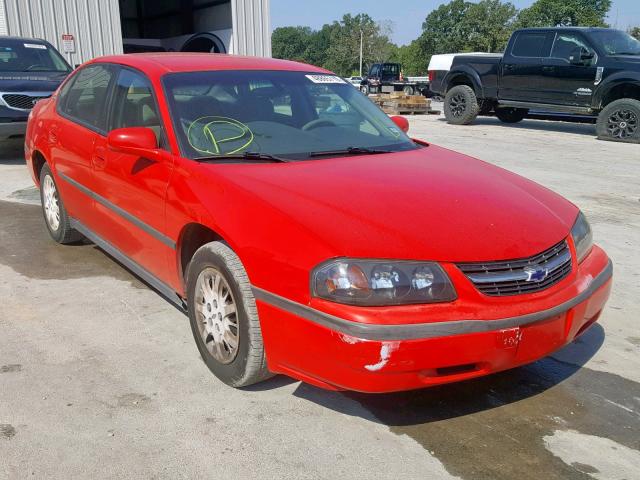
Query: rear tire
x,y
224,318
511,115
461,105
408,90
55,215
620,121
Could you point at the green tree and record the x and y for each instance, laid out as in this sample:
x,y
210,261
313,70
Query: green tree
x,y
551,13
444,30
290,43
343,54
412,57
635,32
488,25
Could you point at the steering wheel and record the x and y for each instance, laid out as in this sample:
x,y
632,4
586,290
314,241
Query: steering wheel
x,y
318,122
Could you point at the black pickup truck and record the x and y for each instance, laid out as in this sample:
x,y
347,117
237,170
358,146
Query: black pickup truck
x,y
563,70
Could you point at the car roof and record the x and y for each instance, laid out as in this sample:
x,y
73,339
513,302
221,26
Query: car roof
x,y
162,63
565,29
23,39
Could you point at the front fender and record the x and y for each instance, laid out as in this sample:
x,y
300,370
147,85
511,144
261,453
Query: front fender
x,y
611,82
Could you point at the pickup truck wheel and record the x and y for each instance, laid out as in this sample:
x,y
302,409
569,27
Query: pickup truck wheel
x,y
364,89
461,105
511,115
55,215
620,121
223,316
408,90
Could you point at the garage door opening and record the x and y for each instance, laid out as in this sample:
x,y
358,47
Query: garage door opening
x,y
176,25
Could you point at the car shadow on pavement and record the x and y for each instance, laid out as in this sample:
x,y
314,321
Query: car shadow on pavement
x,y
557,126
12,151
463,398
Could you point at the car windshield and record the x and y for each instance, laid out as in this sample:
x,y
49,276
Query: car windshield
x,y
26,55
616,42
294,115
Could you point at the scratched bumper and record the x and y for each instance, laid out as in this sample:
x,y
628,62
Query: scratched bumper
x,y
332,359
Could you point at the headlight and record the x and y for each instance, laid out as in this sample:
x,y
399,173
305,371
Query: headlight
x,y
582,237
379,282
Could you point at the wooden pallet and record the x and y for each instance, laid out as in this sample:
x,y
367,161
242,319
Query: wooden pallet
x,y
397,103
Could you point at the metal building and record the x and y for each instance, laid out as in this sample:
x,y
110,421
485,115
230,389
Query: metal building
x,y
83,29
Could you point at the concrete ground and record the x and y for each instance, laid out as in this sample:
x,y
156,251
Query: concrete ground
x,y
100,378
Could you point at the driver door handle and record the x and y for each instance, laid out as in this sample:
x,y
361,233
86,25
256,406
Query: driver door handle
x,y
99,158
548,69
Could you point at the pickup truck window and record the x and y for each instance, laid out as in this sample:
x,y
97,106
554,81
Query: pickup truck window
x,y
568,46
530,44
615,42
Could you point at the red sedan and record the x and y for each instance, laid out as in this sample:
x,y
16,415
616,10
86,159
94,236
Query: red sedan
x,y
303,231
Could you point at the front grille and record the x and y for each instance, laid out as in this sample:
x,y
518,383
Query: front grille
x,y
525,275
21,101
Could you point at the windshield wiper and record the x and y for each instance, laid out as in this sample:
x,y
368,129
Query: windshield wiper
x,y
348,151
250,156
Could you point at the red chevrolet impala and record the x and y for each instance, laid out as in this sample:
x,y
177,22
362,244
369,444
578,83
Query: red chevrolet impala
x,y
303,231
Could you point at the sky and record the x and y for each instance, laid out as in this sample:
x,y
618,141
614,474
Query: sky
x,y
407,16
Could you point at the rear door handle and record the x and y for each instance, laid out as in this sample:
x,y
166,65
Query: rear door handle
x,y
509,66
548,69
99,158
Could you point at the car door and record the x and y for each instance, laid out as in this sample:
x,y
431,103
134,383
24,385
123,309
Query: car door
x,y
521,67
131,189
569,72
72,136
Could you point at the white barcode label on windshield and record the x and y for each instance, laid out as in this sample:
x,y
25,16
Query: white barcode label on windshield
x,y
35,45
325,79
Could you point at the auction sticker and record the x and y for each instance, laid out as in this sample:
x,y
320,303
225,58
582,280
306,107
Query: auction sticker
x,y
325,79
35,45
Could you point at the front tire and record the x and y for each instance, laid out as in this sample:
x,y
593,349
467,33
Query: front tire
x,y
461,105
620,121
511,115
224,318
55,215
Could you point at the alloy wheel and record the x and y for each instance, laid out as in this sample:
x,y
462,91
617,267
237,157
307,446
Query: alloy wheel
x,y
51,203
622,124
217,316
458,105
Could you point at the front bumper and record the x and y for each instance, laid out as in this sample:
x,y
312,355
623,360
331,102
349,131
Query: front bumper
x,y
335,353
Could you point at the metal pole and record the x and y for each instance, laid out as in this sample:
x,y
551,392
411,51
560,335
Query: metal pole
x,y
361,40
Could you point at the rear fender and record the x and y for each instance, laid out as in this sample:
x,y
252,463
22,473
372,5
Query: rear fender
x,y
471,77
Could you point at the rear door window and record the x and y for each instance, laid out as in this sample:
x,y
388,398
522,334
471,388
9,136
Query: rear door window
x,y
84,99
531,44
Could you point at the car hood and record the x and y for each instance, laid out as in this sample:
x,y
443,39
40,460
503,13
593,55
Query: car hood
x,y
622,59
30,81
428,204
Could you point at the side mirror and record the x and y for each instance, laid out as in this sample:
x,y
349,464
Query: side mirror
x,y
139,141
580,56
401,122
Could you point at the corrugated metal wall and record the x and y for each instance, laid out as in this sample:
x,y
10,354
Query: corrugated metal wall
x,y
95,24
251,28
